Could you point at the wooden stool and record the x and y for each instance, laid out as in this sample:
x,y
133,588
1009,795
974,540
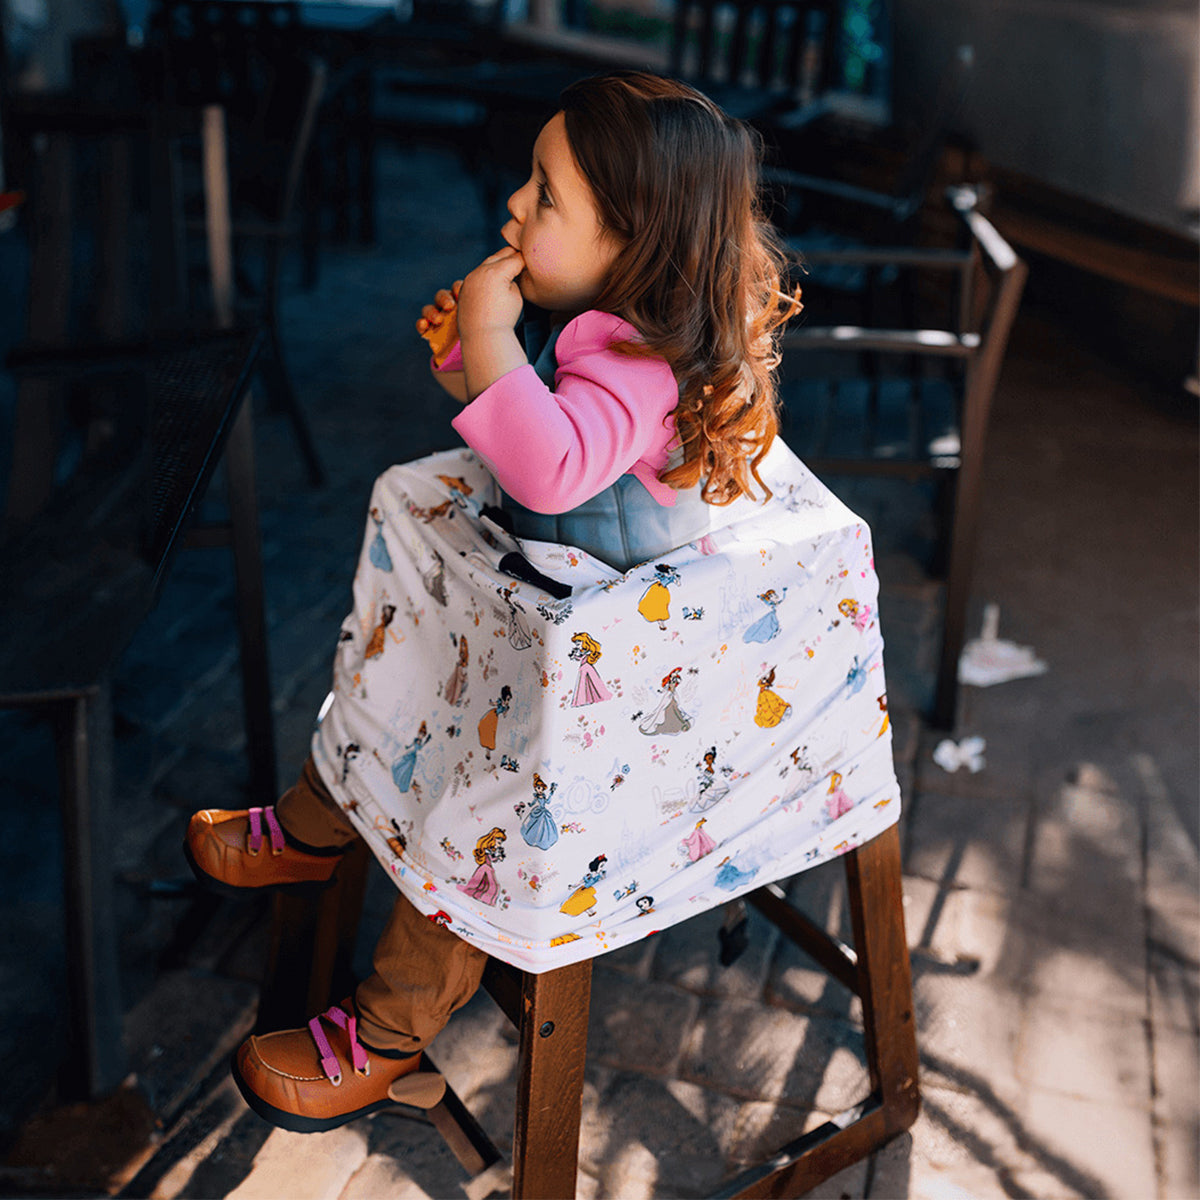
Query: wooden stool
x,y
550,1012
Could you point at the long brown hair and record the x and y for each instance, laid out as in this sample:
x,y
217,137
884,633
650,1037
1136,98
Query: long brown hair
x,y
675,179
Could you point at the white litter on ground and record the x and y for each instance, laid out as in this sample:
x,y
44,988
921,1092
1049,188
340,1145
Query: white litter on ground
x,y
950,755
988,659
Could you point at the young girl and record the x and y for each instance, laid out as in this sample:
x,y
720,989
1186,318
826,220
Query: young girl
x,y
615,359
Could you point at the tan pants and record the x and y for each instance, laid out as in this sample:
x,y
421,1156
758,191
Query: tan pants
x,y
423,972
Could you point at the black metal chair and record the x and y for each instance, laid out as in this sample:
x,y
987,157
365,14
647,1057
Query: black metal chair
x,y
828,203
98,504
927,419
758,59
249,57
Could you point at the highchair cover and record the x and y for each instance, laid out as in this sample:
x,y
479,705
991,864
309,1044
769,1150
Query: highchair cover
x,y
554,776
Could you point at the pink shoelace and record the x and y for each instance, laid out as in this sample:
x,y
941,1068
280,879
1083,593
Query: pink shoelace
x,y
274,830
329,1061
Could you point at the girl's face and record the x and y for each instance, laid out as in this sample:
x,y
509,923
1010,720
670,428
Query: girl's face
x,y
556,229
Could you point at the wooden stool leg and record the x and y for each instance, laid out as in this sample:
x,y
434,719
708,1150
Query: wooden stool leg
x,y
885,976
309,964
554,1020
877,969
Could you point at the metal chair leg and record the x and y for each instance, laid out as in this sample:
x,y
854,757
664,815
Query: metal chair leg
x,y
252,623
97,1063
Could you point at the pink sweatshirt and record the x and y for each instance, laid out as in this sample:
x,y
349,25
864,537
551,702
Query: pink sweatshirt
x,y
609,414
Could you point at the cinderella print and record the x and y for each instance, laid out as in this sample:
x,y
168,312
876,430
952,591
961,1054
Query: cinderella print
x,y
767,626
538,829
378,554
403,767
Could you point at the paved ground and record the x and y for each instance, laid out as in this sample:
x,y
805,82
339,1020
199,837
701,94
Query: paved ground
x,y
1051,898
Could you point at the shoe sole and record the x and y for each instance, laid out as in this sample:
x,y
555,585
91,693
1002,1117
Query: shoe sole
x,y
294,1122
298,888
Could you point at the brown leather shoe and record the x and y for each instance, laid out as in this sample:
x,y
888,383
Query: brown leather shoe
x,y
309,1080
227,851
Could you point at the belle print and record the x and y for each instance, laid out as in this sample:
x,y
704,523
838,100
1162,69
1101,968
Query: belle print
x,y
771,708
488,850
589,689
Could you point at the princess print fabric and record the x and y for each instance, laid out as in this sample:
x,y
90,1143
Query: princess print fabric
x,y
555,775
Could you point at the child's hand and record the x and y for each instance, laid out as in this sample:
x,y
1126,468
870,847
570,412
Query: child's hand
x,y
490,299
445,301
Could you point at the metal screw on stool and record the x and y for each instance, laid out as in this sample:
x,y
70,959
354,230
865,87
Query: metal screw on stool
x,y
547,1028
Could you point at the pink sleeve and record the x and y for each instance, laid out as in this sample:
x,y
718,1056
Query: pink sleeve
x,y
452,362
552,450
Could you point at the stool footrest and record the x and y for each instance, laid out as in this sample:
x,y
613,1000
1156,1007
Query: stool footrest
x,y
827,951
462,1133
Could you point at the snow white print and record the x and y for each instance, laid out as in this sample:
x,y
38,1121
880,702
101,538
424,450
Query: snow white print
x,y
379,634
482,885
583,898
538,828
491,719
590,687
668,718
655,604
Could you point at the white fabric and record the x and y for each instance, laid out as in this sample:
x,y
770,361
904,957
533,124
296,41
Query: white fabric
x,y
732,730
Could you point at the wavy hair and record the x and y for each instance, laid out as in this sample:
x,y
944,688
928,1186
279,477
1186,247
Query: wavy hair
x,y
699,274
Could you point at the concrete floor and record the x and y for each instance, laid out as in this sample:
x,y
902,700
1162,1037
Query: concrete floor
x,y
1052,898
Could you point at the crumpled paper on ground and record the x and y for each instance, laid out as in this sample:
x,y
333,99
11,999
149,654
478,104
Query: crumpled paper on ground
x,y
950,755
988,659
